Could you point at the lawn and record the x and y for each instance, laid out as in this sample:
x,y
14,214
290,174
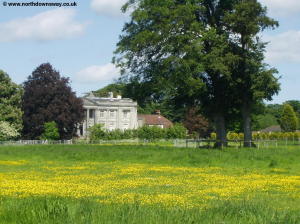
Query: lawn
x,y
148,184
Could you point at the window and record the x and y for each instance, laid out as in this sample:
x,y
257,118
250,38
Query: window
x,y
112,114
126,114
92,114
102,112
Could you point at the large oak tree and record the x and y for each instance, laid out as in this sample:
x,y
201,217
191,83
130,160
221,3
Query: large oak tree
x,y
48,97
173,47
193,48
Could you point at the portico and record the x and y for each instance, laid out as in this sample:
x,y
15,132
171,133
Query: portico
x,y
112,113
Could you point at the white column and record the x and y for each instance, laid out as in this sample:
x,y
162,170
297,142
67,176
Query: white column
x,y
87,120
119,118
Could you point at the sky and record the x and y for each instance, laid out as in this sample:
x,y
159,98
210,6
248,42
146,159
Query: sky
x,y
79,42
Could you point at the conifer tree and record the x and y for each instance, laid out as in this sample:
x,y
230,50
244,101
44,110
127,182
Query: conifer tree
x,y
289,120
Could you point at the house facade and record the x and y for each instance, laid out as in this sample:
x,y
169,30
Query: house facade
x,y
112,113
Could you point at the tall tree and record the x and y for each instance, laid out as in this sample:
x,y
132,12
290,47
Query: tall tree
x,y
48,97
180,48
289,120
10,102
203,49
296,106
254,80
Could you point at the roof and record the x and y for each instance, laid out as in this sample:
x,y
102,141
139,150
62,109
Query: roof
x,y
155,119
274,128
102,101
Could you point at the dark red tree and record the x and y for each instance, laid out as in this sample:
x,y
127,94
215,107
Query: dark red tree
x,y
49,97
196,123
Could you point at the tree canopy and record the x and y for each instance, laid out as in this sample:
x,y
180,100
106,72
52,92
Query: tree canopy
x,y
289,120
200,52
48,97
10,101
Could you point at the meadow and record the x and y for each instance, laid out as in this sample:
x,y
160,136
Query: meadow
x,y
148,184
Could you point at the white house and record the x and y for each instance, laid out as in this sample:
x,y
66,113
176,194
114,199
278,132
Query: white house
x,y
113,113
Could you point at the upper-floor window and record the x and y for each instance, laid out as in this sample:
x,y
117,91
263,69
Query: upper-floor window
x,y
92,113
102,113
112,114
126,114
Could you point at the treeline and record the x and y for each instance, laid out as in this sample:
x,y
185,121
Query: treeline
x,y
286,115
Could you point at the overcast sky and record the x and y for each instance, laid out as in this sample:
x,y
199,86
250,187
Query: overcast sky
x,y
79,42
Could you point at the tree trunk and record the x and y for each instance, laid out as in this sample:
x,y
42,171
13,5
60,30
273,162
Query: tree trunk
x,y
220,130
246,112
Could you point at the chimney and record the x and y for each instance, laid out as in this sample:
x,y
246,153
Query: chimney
x,y
111,95
157,112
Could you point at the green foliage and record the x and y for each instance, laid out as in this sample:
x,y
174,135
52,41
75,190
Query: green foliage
x,y
115,88
213,135
275,110
50,131
151,133
8,131
289,120
10,102
276,135
199,60
263,121
177,131
98,132
296,106
233,136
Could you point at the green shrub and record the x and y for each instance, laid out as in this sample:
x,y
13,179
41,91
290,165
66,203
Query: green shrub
x,y
213,136
232,136
177,131
151,133
98,132
255,136
50,131
289,120
241,136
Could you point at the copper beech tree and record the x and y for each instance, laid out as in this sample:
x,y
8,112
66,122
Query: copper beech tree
x,y
48,97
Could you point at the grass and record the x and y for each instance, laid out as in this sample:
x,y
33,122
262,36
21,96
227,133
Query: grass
x,y
148,184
